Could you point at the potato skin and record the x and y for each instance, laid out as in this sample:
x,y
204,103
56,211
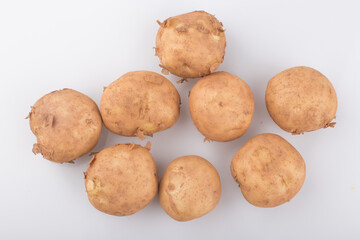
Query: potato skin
x,y
140,103
301,99
221,106
269,170
67,125
190,188
122,179
191,45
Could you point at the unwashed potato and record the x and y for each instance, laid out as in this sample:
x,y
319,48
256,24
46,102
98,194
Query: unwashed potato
x,y
268,170
67,125
191,45
140,103
301,99
221,106
190,188
122,179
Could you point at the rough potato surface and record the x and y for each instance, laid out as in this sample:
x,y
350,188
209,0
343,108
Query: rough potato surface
x,y
191,45
122,179
140,103
269,170
190,188
67,125
221,106
301,99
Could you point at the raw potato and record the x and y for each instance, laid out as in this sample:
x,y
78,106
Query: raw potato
x,y
221,106
190,188
191,45
268,170
122,179
301,99
67,125
140,103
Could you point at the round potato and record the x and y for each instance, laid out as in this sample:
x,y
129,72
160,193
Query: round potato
x,y
190,188
67,124
191,45
122,179
140,103
268,170
301,99
221,106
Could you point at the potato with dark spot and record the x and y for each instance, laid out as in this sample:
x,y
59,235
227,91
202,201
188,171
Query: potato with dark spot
x,y
191,45
221,106
190,188
269,170
67,124
122,179
140,103
301,99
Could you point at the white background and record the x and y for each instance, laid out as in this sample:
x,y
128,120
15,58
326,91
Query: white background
x,y
85,45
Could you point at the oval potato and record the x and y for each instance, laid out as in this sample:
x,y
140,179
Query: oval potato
x,y
190,188
67,124
268,170
140,103
221,106
122,179
191,45
301,99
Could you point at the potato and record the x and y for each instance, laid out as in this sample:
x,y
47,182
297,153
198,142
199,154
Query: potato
x,y
301,99
122,179
269,170
67,125
221,106
190,188
190,45
140,103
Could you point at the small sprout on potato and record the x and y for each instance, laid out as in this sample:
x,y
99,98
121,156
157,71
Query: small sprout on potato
x,y
182,80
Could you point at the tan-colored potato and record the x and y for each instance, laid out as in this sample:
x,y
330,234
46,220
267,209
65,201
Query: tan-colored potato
x,y
67,125
190,188
301,99
122,179
191,45
269,170
221,106
140,103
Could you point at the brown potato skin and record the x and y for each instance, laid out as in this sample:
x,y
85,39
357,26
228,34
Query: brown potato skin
x,y
122,179
269,170
221,106
190,188
67,125
191,45
301,99
140,103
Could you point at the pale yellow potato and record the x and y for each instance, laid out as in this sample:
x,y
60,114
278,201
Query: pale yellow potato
x,y
140,103
190,188
122,179
221,106
269,170
191,45
67,124
301,99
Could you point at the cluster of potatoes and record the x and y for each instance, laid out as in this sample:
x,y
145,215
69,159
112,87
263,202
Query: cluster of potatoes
x,y
123,179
